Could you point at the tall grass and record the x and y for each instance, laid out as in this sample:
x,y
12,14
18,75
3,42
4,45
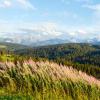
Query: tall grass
x,y
46,81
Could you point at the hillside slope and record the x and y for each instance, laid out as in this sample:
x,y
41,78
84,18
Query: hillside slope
x,y
46,81
85,57
75,52
12,46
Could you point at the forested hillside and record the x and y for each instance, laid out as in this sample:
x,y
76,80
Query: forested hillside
x,y
11,46
85,57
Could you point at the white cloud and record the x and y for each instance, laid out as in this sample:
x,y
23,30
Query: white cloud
x,y
95,7
20,3
26,4
33,33
45,31
6,4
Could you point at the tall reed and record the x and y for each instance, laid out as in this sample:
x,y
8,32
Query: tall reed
x,y
46,81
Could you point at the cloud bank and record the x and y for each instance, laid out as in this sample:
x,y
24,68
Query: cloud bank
x,y
47,31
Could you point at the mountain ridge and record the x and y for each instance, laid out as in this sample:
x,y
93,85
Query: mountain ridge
x,y
51,41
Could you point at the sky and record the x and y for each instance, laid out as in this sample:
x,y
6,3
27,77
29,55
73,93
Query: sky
x,y
36,20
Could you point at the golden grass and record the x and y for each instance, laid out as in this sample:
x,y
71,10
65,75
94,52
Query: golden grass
x,y
47,76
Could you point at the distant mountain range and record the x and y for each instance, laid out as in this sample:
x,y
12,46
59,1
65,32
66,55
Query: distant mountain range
x,y
49,41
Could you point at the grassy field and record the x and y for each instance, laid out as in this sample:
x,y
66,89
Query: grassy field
x,y
29,80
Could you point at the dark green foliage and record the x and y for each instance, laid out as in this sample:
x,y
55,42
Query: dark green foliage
x,y
11,47
85,57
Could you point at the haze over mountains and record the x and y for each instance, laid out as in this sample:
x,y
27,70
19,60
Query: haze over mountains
x,y
39,39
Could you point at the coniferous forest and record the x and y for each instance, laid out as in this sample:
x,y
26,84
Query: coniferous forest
x,y
85,57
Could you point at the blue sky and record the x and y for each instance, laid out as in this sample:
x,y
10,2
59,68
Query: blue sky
x,y
42,19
